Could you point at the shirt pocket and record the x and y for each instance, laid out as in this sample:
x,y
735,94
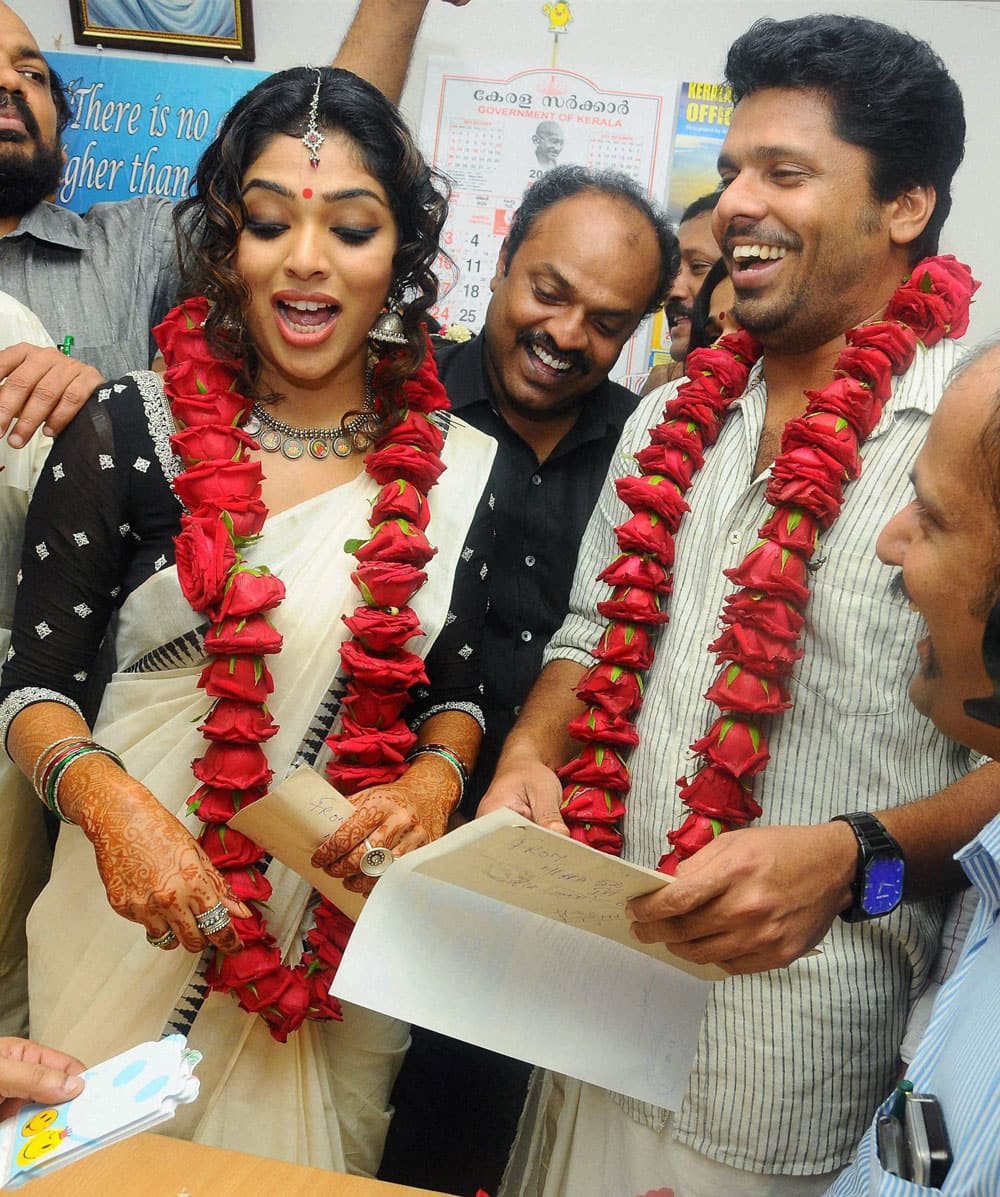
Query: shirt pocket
x,y
860,645
888,1184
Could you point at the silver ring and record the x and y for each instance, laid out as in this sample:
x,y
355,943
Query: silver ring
x,y
161,941
210,921
375,861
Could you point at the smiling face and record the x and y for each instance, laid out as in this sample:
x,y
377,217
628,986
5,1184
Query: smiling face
x,y
317,254
699,253
30,158
574,293
946,544
810,251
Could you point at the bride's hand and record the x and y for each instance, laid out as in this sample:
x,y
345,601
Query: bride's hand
x,y
411,812
155,872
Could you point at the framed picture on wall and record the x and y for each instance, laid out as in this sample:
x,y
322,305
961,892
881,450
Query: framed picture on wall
x,y
218,28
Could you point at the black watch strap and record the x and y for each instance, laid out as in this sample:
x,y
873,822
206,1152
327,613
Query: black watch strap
x,y
875,845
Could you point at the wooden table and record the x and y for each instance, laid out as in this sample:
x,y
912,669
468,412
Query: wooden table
x,y
155,1166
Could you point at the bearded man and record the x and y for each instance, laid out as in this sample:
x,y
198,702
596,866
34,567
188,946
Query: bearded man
x,y
836,173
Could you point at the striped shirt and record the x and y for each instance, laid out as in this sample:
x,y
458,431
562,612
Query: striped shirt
x,y
959,1058
790,1063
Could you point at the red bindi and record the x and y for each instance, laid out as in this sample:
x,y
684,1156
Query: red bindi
x,y
307,193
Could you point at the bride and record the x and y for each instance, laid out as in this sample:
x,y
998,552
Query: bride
x,y
287,539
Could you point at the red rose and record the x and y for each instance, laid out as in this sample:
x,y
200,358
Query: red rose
x,y
653,493
227,848
388,583
700,400
264,991
332,924
634,604
740,690
679,434
214,483
695,832
591,804
183,320
741,345
382,631
387,745
246,678
348,778
675,464
407,462
868,366
952,282
771,656
322,1003
395,540
851,399
625,644
250,591
243,634
793,529
602,836
401,500
774,570
251,964
246,516
253,929
231,721
205,555
771,613
734,744
810,465
728,370
926,313
201,375
220,407
627,569
897,342
418,431
821,498
375,708
233,767
828,432
249,885
210,442
617,690
715,793
595,724
646,533
597,765
399,672
212,805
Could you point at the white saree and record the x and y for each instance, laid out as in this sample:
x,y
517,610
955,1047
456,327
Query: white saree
x,y
96,985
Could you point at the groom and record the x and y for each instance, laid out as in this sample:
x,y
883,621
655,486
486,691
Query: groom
x,y
837,171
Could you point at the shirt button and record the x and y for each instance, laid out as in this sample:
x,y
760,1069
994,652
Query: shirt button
x,y
517,710
529,560
526,636
735,537
536,480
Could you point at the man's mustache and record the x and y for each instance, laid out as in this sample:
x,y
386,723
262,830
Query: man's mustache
x,y
542,340
8,100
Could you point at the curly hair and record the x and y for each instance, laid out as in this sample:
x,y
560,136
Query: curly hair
x,y
209,222
889,93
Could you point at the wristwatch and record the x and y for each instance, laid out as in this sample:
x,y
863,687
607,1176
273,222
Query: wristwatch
x,y
878,881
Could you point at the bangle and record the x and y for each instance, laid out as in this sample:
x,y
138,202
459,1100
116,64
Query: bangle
x,y
443,751
69,745
55,770
43,755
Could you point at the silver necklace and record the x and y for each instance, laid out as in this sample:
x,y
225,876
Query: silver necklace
x,y
354,436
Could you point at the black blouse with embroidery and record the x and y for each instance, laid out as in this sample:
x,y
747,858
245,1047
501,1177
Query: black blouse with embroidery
x,y
102,521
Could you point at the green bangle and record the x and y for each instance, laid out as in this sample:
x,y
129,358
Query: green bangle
x,y
443,751
52,788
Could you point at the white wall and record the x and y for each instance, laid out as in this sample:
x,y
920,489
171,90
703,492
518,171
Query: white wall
x,y
619,40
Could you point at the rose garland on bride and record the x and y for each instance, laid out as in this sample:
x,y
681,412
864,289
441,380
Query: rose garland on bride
x,y
220,488
762,621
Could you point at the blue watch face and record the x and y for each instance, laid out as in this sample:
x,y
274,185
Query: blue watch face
x,y
883,886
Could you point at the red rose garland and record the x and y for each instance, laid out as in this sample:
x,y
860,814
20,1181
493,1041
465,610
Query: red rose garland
x,y
220,488
762,621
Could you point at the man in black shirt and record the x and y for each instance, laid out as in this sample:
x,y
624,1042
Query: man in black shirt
x,y
586,258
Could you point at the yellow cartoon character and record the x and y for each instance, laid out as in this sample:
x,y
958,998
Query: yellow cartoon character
x,y
42,1137
559,16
